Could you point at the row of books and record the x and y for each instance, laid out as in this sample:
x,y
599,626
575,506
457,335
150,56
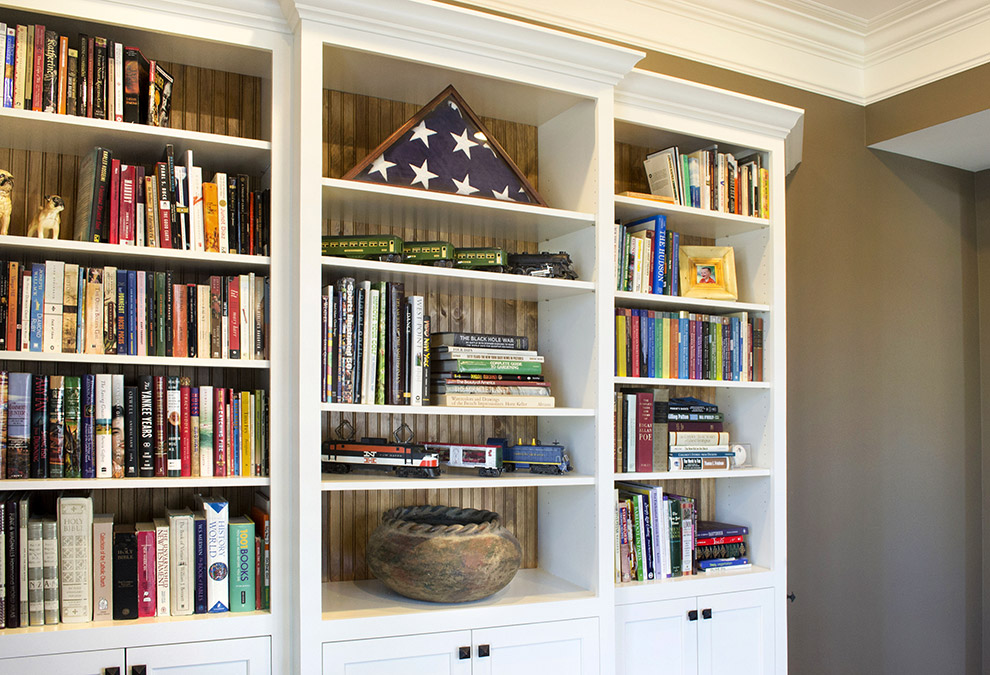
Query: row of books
x,y
647,257
169,205
654,533
97,426
85,76
76,566
487,370
375,345
56,307
711,180
653,434
687,345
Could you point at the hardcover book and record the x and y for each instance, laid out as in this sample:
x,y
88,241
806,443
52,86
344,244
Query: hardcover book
x,y
102,563
147,562
56,426
181,561
125,573
75,528
241,547
19,425
163,599
49,535
216,510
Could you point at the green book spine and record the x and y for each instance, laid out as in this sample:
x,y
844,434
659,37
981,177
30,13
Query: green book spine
x,y
241,547
488,366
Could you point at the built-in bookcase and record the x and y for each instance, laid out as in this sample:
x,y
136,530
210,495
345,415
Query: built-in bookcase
x,y
228,76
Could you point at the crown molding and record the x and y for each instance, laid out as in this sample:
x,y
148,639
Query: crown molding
x,y
799,43
472,32
258,14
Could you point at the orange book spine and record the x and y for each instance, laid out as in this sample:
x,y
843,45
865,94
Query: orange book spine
x,y
211,217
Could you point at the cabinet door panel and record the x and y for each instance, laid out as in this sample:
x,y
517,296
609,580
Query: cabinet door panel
x,y
75,663
555,647
244,656
739,636
656,637
435,654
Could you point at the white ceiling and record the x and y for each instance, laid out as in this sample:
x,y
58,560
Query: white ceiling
x,y
866,10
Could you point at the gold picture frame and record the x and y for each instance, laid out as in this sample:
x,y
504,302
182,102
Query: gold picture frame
x,y
708,272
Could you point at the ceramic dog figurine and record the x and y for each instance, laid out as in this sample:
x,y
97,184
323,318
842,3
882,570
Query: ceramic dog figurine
x,y
6,187
47,220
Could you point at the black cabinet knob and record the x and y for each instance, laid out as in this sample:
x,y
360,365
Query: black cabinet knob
x,y
484,650
139,670
791,596
113,670
693,615
706,613
463,653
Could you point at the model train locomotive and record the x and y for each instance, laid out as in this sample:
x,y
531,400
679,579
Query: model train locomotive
x,y
543,264
406,460
538,458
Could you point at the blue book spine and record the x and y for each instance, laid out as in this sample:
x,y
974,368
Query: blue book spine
x,y
659,257
722,562
37,306
8,82
121,317
644,343
81,312
235,411
651,357
675,265
199,548
683,348
87,426
132,313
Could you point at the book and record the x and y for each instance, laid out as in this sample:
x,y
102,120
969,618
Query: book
x,y
19,393
135,86
117,441
102,566
147,562
262,523
103,412
493,401
56,426
131,431
200,600
125,573
216,510
479,340
11,556
711,528
92,194
173,420
515,367
36,571
70,308
39,426
52,312
163,565
75,531
241,548
181,561
87,427
50,562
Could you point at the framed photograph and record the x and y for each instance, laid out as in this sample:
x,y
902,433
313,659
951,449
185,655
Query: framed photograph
x,y
708,272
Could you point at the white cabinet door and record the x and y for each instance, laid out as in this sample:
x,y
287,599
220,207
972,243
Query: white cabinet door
x,y
434,654
243,656
101,662
537,649
657,637
738,638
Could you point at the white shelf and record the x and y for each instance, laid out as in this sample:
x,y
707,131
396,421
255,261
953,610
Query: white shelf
x,y
383,481
696,584
132,143
359,409
675,302
678,382
86,250
124,360
688,220
69,637
38,484
355,201
745,472
423,279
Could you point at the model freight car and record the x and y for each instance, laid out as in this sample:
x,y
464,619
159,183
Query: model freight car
x,y
383,247
486,259
436,253
537,458
406,460
543,264
487,459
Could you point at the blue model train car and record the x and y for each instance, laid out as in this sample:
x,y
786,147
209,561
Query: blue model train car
x,y
537,458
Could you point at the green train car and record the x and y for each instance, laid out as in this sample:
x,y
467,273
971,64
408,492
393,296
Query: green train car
x,y
368,247
436,253
487,259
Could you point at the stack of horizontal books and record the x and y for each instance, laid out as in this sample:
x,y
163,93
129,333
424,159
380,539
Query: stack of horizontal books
x,y
481,370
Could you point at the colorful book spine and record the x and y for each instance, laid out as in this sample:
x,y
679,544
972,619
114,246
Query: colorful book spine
x,y
117,426
146,439
19,425
163,603
200,599
103,411
39,426
242,569
146,570
56,426
87,428
217,512
173,420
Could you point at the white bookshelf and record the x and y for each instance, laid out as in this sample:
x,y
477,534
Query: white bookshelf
x,y
231,42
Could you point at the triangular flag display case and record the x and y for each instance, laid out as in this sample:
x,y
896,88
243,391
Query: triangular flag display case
x,y
445,147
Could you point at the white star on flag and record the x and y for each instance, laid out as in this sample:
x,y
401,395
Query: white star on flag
x,y
423,175
464,187
463,143
422,133
381,165
503,196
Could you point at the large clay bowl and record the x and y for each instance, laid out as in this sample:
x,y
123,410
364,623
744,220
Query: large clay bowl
x,y
442,553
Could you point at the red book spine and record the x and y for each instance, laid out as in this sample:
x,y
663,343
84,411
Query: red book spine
x,y
634,355
692,349
127,173
161,453
219,432
114,201
39,67
146,573
13,313
234,318
718,541
185,428
179,328
644,432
